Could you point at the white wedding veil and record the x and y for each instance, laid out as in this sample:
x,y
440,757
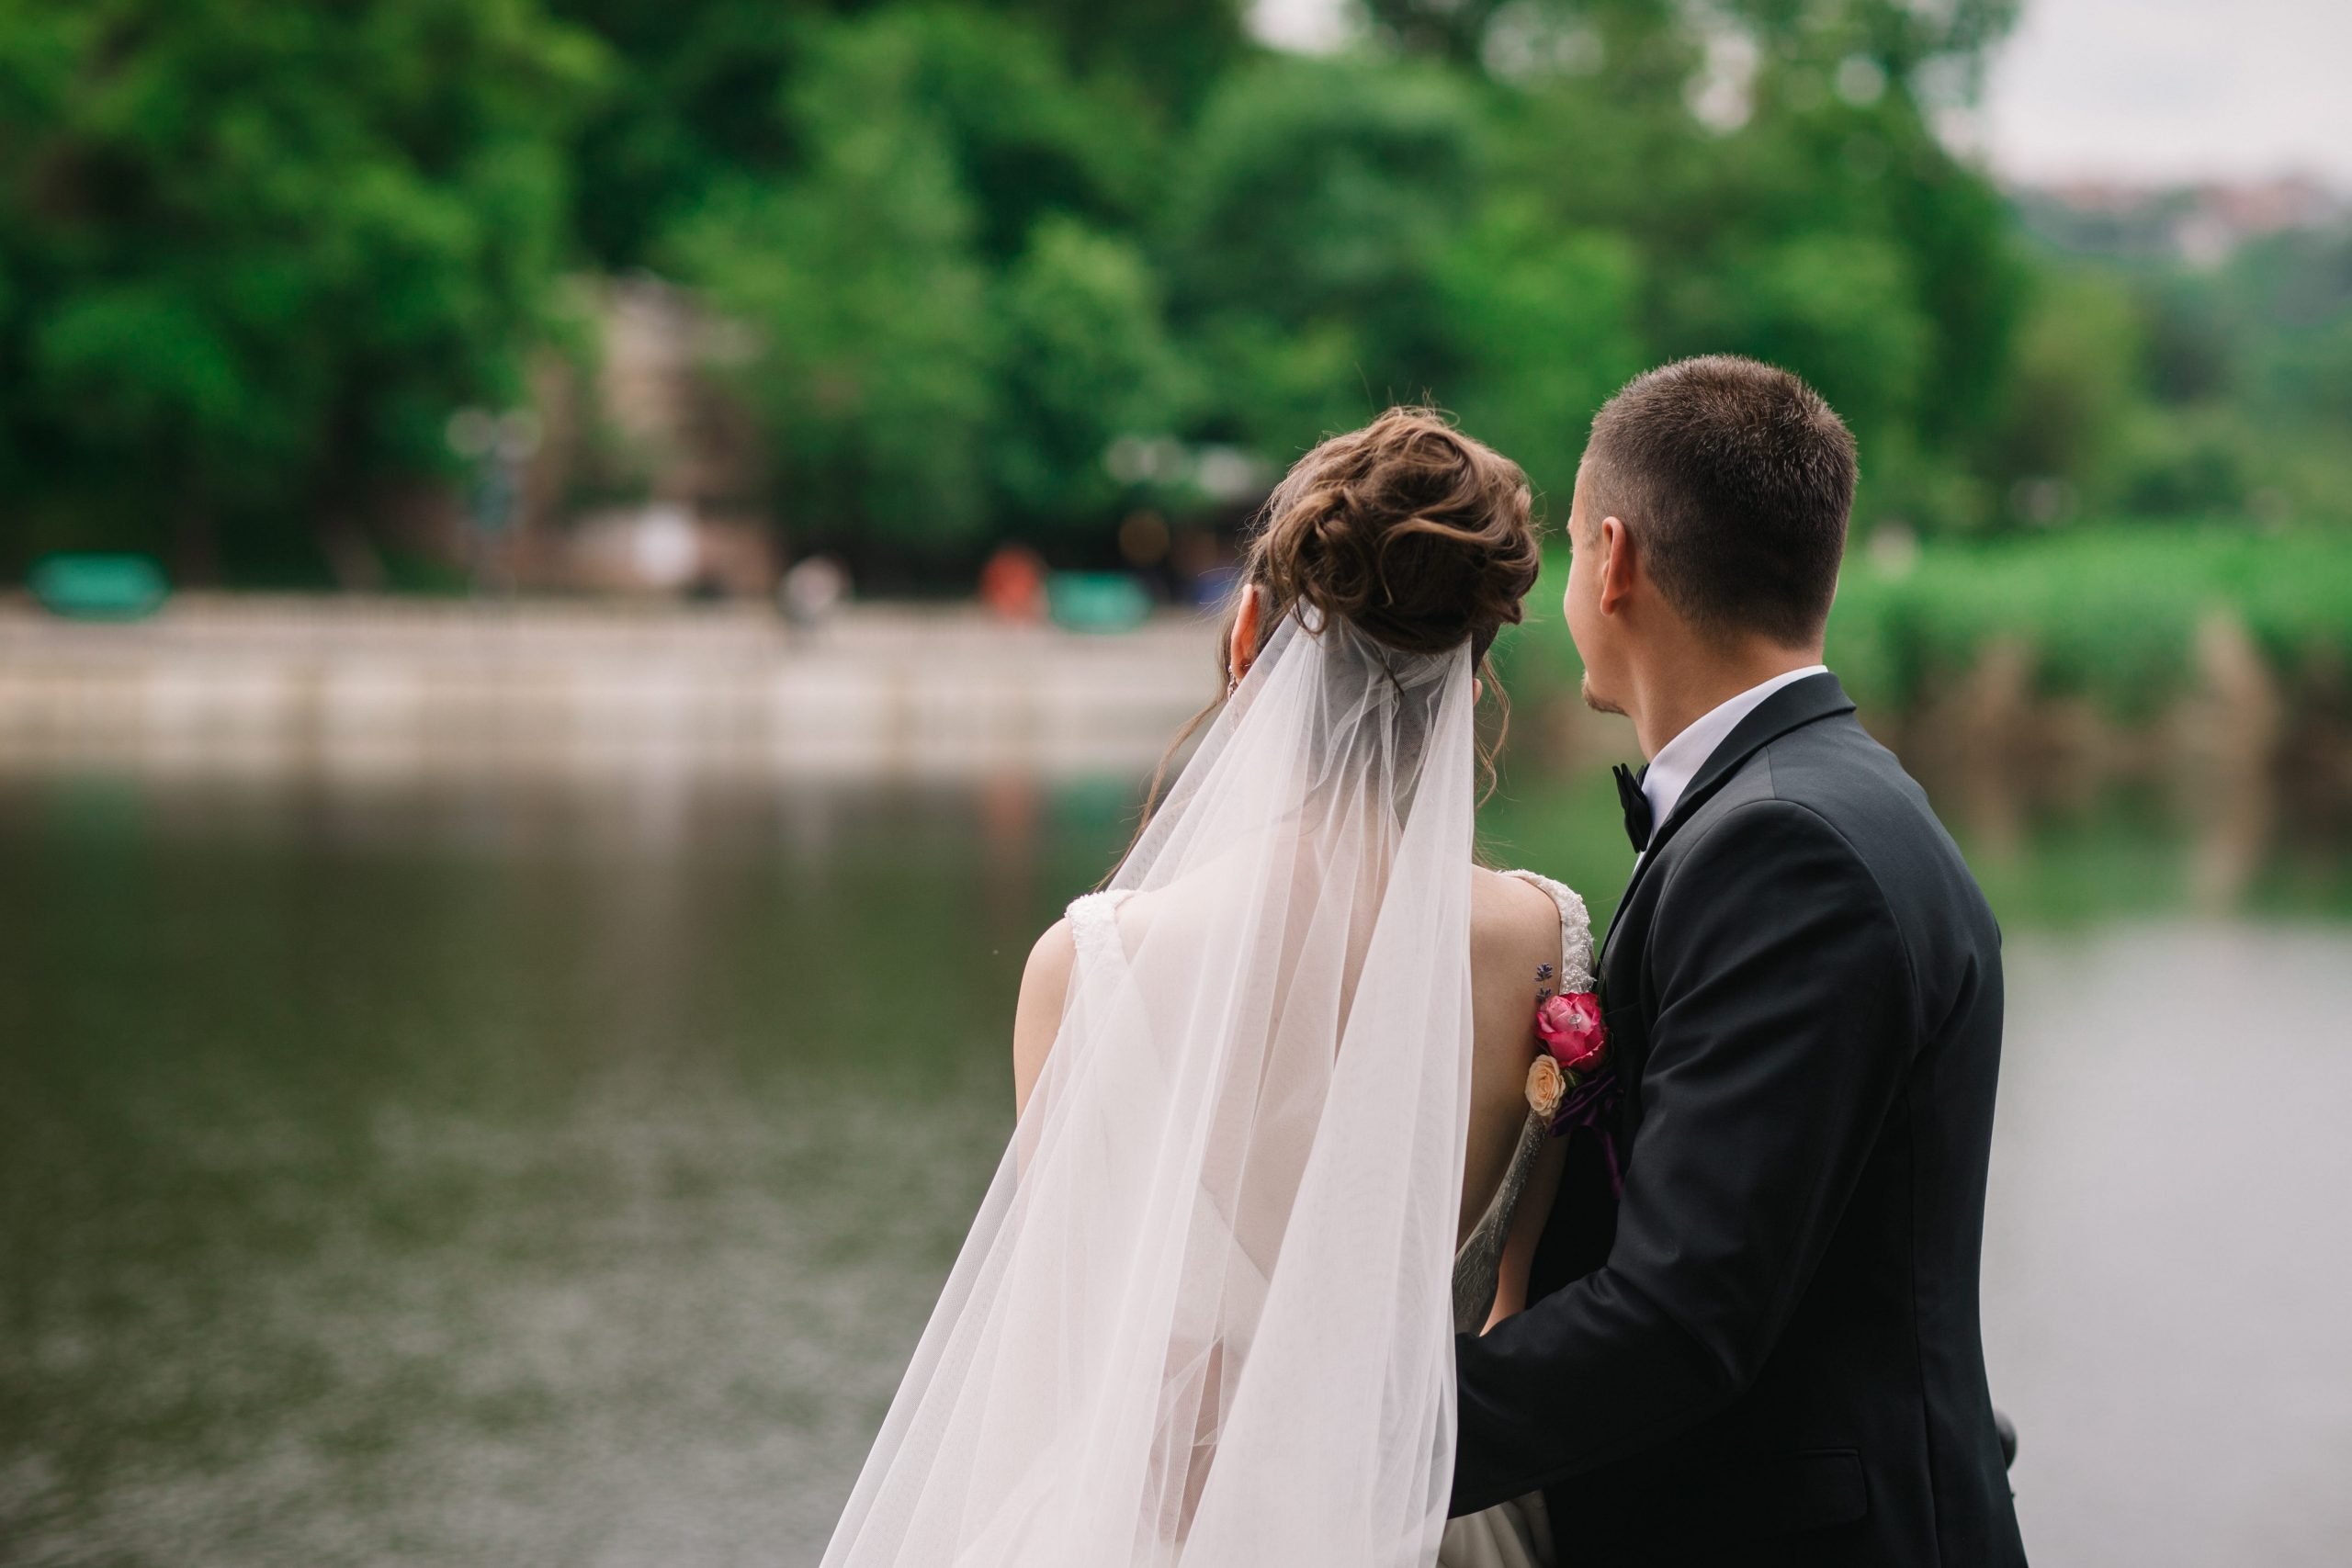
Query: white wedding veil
x,y
1204,1316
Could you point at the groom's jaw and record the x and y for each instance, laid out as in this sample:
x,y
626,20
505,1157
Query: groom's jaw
x,y
1595,701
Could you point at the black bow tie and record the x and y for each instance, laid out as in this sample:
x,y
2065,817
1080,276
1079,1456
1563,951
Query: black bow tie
x,y
1636,805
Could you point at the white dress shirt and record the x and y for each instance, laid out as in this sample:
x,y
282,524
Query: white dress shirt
x,y
1678,761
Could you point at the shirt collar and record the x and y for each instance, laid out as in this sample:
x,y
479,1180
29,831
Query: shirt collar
x,y
1678,761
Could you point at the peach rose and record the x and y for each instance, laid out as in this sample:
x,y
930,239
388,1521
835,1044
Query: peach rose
x,y
1546,1085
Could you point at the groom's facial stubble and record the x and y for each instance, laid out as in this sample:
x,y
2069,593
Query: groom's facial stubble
x,y
1595,701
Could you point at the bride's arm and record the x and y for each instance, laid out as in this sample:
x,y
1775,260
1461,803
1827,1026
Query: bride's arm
x,y
1526,1230
1037,1018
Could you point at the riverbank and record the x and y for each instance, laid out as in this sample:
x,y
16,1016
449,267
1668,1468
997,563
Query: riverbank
x,y
2215,658
2219,662
393,687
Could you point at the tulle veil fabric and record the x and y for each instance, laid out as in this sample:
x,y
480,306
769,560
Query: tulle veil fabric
x,y
1203,1317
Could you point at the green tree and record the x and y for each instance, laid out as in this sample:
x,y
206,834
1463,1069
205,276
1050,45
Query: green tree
x,y
693,106
256,254
1544,324
1841,143
1809,215
1315,207
2238,396
1086,362
1170,52
952,327
1026,139
2072,391
872,370
690,106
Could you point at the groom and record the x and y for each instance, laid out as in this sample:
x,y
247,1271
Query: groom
x,y
1769,1351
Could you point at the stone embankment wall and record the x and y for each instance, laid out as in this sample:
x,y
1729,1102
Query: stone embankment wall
x,y
219,684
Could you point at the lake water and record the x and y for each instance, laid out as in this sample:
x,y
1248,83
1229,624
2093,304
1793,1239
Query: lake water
x,y
532,1175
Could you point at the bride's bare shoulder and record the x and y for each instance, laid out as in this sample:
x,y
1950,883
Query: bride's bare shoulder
x,y
1514,933
1046,977
1037,1017
1514,925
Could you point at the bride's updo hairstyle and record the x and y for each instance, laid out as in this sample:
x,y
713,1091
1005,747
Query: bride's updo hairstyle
x,y
1414,533
1408,530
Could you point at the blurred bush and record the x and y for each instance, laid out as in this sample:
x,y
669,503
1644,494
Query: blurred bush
x,y
2105,613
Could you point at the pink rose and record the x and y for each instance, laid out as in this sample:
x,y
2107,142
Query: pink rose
x,y
1570,1027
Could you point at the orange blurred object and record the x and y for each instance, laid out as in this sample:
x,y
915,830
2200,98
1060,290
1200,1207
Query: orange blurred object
x,y
1013,583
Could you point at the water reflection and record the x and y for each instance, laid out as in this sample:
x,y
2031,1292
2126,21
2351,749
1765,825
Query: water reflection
x,y
2167,1252
492,1174
475,1177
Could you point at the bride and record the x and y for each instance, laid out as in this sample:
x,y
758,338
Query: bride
x,y
1274,1091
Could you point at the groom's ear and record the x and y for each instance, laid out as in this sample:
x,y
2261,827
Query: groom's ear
x,y
1618,566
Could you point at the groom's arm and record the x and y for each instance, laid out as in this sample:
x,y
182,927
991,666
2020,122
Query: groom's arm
x,y
1783,1027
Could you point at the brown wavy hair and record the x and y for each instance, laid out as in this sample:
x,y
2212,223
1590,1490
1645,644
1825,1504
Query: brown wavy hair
x,y
1419,535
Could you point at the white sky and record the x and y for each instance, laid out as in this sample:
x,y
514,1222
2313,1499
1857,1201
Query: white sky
x,y
2132,89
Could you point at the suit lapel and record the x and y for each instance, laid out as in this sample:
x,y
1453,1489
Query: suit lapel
x,y
1795,704
1798,704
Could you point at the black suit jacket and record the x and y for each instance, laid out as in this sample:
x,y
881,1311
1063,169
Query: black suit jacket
x,y
1769,1351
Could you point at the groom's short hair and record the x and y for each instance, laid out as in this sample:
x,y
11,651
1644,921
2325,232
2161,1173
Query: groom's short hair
x,y
1734,479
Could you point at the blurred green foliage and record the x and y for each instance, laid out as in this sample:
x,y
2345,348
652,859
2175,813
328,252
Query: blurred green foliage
x,y
253,257
2104,612
2108,614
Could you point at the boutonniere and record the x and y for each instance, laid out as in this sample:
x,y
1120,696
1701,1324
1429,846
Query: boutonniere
x,y
1575,1045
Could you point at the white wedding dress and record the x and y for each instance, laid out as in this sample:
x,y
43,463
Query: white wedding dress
x,y
1204,1316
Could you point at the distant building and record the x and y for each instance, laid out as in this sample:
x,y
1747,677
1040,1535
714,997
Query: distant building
x,y
2200,224
666,486
643,472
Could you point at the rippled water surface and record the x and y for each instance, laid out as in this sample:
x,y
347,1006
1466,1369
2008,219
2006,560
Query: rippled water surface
x,y
505,1175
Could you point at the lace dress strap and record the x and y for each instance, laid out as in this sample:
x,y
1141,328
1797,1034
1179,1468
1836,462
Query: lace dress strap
x,y
1094,925
1576,929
